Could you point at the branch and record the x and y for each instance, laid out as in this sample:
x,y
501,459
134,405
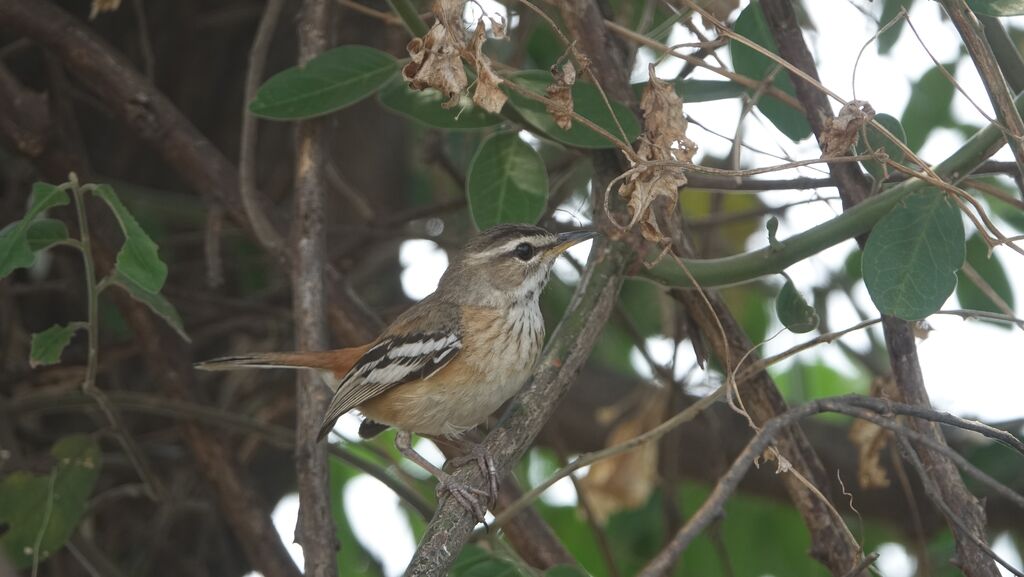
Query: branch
x,y
985,61
853,188
569,346
155,119
184,410
852,223
728,483
315,528
899,339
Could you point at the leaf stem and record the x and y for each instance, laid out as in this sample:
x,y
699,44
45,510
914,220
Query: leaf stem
x,y
92,290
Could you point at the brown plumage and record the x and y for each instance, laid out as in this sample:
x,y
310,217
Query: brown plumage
x,y
450,360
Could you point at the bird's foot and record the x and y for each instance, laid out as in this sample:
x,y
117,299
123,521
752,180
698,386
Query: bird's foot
x,y
472,499
477,454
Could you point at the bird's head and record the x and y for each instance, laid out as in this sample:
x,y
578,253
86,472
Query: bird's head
x,y
507,263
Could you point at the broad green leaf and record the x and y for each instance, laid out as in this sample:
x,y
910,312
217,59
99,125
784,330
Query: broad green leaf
x,y
476,562
48,345
891,10
335,79
875,141
46,232
912,255
751,63
137,260
793,310
997,8
15,248
155,301
587,102
929,106
425,106
48,506
992,272
507,182
693,90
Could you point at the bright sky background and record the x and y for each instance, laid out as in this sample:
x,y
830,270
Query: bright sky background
x,y
968,366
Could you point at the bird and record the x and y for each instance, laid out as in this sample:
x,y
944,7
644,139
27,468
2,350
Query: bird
x,y
450,360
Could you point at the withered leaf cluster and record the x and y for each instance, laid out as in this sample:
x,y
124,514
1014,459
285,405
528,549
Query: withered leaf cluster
x,y
437,59
560,93
841,132
663,144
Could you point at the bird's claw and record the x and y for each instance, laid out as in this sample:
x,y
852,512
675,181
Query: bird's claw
x,y
472,499
487,468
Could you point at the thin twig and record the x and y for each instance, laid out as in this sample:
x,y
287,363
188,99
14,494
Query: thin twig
x,y
935,495
985,61
262,228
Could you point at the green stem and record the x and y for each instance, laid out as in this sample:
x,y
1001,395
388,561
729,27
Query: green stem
x,y
92,290
92,295
410,17
716,272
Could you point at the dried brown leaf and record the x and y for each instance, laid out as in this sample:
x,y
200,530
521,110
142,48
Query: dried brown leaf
x,y
449,14
436,64
101,6
625,481
871,441
842,131
560,93
664,139
487,94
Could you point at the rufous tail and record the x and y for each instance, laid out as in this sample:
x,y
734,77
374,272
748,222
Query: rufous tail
x,y
338,361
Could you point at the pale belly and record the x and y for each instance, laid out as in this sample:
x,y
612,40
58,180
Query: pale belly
x,y
464,394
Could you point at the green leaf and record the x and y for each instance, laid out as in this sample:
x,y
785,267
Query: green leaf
x,y
63,494
46,232
45,196
335,79
48,345
507,182
425,106
155,301
997,7
793,310
587,102
15,249
476,562
929,106
992,272
875,141
565,571
891,9
751,63
692,90
912,255
137,260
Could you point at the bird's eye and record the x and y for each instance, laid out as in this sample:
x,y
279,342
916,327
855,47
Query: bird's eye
x,y
524,251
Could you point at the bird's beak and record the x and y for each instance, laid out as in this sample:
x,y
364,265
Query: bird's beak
x,y
567,239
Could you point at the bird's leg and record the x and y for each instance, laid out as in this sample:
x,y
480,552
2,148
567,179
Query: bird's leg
x,y
467,496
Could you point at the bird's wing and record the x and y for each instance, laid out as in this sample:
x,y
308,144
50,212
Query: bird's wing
x,y
418,345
